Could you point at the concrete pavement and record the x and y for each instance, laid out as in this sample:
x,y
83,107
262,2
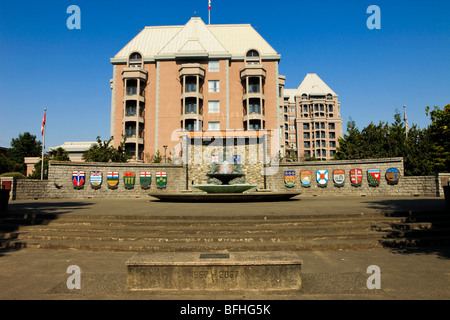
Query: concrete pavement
x,y
405,274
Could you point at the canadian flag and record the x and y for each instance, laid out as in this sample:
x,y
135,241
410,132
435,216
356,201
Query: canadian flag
x,y
43,124
209,5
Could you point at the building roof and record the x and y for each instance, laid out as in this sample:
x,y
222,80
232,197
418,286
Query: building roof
x,y
197,39
75,146
313,85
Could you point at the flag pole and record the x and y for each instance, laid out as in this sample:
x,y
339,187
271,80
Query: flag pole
x,y
209,12
43,144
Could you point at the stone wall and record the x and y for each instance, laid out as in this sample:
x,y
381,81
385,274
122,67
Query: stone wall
x,y
406,186
60,183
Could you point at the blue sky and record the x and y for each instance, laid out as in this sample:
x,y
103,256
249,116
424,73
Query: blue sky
x,y
374,72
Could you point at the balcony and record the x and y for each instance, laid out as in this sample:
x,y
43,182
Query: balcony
x,y
135,73
256,70
192,69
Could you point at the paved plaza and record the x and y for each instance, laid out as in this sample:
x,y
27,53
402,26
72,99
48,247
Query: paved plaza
x,y
422,273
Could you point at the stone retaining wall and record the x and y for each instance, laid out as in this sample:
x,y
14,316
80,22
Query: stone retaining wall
x,y
406,186
61,186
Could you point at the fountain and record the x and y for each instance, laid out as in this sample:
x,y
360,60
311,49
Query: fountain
x,y
225,173
220,189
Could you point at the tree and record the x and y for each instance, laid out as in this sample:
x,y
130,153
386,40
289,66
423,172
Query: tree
x,y
103,151
58,154
25,145
439,133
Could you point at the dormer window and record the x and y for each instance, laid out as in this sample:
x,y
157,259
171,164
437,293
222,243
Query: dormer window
x,y
135,60
252,57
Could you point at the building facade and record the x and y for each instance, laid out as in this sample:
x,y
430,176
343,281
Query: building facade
x,y
198,78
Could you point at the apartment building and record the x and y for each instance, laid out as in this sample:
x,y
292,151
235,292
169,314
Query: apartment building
x,y
202,78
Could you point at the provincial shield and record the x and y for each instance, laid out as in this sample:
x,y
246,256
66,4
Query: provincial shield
x,y
356,177
322,178
78,179
146,180
161,180
339,178
289,179
112,178
128,180
96,179
392,175
305,178
373,177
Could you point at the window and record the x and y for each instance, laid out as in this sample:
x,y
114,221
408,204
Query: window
x,y
253,85
213,126
332,144
306,135
292,135
292,127
191,107
254,125
331,126
306,126
213,66
213,107
305,108
332,153
191,84
254,107
307,144
330,108
332,135
252,57
135,60
292,110
213,86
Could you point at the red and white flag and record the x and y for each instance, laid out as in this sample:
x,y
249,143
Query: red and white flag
x,y
43,124
209,5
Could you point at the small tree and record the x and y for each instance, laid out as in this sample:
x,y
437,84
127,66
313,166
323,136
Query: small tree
x,y
103,151
157,158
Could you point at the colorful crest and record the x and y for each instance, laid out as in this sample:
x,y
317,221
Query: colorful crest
x,y
322,178
392,175
339,178
112,178
214,159
96,179
129,179
161,180
146,180
237,159
78,179
305,178
289,179
356,177
373,177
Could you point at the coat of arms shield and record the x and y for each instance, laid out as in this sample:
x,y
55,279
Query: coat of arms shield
x,y
112,178
322,178
356,177
339,178
161,180
146,180
305,178
129,179
392,175
78,178
289,179
96,179
373,177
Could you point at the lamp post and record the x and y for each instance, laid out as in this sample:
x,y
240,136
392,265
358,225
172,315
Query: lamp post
x,y
165,154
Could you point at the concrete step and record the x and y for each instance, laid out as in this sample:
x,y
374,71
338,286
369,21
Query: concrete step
x,y
144,246
200,238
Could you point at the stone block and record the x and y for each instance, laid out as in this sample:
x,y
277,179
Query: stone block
x,y
239,271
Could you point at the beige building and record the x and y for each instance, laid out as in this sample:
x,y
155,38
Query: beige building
x,y
313,123
197,78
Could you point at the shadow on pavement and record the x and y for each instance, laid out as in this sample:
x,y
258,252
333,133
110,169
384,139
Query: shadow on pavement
x,y
27,214
424,227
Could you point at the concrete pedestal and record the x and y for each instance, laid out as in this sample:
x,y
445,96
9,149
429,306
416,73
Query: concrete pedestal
x,y
263,271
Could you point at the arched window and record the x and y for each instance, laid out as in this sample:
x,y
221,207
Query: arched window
x,y
135,60
252,57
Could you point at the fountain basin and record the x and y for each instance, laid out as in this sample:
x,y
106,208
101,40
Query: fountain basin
x,y
225,188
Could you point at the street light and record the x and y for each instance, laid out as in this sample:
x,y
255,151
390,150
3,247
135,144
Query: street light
x,y
165,154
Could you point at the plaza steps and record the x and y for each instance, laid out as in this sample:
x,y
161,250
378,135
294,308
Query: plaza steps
x,y
128,233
